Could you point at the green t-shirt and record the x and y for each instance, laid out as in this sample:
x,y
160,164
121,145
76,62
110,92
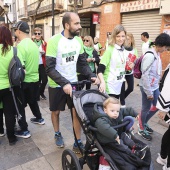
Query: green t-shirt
x,y
4,64
30,55
66,51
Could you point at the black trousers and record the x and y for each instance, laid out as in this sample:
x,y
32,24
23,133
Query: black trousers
x,y
42,79
130,86
1,122
9,112
20,103
30,97
165,146
115,96
83,77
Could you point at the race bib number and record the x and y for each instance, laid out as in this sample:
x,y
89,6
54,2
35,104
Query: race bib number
x,y
120,75
68,57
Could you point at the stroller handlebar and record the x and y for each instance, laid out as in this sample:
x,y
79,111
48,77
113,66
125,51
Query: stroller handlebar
x,y
77,86
83,82
115,127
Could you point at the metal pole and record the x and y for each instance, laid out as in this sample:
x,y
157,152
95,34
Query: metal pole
x,y
53,18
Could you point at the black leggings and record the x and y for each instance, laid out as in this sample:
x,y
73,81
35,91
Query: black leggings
x,y
130,86
1,122
42,79
9,112
165,146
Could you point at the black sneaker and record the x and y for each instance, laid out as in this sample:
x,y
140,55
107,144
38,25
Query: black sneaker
x,y
43,97
37,121
148,129
140,154
23,134
145,134
13,142
76,148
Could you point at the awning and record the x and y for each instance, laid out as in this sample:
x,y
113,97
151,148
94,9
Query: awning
x,y
87,12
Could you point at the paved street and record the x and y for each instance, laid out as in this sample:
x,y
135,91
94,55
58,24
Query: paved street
x,y
40,152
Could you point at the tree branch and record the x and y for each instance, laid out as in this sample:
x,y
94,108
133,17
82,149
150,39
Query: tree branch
x,y
36,11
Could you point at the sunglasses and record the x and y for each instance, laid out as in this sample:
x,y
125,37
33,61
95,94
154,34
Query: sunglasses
x,y
86,40
37,33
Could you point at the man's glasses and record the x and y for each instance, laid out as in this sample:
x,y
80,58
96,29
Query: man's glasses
x,y
37,33
86,40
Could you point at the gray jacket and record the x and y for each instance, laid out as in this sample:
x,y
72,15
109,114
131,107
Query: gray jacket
x,y
151,68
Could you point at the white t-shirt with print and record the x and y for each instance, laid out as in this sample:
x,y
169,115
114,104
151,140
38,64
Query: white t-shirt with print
x,y
114,60
66,51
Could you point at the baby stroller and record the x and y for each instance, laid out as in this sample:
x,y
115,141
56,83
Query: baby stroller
x,y
84,102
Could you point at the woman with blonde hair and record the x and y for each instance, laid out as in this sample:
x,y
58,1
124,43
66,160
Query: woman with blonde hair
x,y
92,57
131,50
38,39
111,70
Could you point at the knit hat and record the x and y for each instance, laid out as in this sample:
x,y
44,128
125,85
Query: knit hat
x,y
22,26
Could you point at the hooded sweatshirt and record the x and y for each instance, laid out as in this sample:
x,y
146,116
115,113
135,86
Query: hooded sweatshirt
x,y
104,124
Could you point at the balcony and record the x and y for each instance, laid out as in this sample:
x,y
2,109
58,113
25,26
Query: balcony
x,y
44,8
22,13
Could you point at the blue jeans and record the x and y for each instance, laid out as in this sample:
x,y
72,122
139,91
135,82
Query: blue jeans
x,y
147,111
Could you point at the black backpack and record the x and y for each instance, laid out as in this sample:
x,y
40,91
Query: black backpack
x,y
16,72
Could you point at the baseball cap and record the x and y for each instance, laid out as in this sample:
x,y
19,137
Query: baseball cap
x,y
22,26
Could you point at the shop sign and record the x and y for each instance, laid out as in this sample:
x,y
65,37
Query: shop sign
x,y
95,18
108,9
139,5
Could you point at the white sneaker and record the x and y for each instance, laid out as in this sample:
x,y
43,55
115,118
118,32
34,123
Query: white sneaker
x,y
123,106
2,134
165,167
161,161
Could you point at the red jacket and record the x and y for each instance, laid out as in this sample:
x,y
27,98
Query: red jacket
x,y
44,45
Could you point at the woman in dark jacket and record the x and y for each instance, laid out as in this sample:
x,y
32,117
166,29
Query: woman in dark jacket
x,y
163,104
92,58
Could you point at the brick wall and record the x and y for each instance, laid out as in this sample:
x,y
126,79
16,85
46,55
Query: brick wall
x,y
166,55
108,20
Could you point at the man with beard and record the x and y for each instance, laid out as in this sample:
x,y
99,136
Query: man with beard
x,y
64,58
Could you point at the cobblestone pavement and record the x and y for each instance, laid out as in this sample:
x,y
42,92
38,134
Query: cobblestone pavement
x,y
40,152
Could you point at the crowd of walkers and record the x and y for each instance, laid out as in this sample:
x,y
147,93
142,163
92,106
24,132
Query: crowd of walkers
x,y
65,59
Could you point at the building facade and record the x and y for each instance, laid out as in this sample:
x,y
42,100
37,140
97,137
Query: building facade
x,y
136,15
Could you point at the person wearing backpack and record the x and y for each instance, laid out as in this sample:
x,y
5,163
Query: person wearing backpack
x,y
151,68
9,109
30,55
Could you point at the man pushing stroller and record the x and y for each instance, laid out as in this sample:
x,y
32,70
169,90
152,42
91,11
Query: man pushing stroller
x,y
108,114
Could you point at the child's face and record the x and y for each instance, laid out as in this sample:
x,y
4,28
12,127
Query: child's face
x,y
112,110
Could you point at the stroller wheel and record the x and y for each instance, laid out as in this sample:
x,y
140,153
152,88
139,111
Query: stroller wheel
x,y
70,161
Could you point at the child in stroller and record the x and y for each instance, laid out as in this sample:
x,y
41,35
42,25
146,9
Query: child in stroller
x,y
85,103
111,115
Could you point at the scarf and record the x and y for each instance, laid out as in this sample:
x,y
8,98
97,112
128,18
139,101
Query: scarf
x,y
89,51
38,42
